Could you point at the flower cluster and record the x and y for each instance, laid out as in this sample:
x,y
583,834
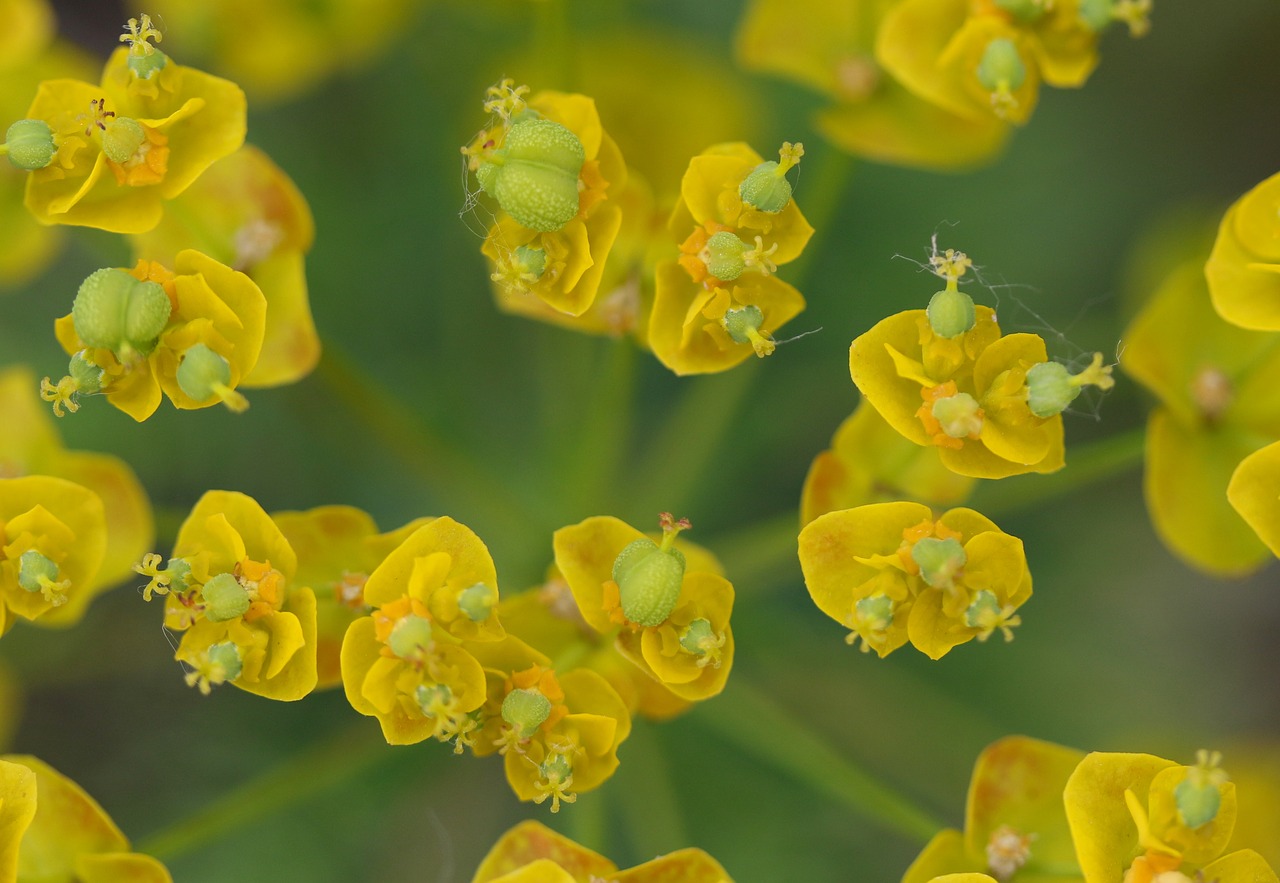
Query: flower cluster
x,y
931,83
412,625
1040,811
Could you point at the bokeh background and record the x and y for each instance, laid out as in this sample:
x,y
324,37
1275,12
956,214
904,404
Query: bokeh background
x,y
430,401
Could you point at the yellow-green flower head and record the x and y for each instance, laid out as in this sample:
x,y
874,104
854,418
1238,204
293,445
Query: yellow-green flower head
x,y
623,582
50,829
556,174
191,333
1244,268
140,137
407,663
1217,386
869,462
890,573
1156,821
1254,492
338,547
533,853
53,537
230,590
246,213
1015,825
29,445
830,47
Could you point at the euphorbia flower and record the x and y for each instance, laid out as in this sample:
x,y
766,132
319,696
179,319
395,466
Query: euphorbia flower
x,y
30,445
890,573
1015,825
1156,821
230,590
871,463
670,620
1254,492
140,137
246,213
50,829
1216,384
192,333
338,547
830,47
408,663
1244,268
53,535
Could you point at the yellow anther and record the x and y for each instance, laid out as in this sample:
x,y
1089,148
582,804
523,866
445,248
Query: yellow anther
x,y
758,258
506,99
1003,103
761,343
1134,13
62,394
139,32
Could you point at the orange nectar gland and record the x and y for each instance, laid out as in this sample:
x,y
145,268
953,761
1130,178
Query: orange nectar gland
x,y
136,154
766,188
648,576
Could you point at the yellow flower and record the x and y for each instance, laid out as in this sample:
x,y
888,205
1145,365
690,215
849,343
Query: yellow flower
x,y
230,590
670,620
830,47
142,136
532,853
246,213
29,26
1244,268
1217,386
1015,824
1156,821
30,445
1254,492
408,663
192,333
555,173
890,573
871,463
50,829
337,548
53,536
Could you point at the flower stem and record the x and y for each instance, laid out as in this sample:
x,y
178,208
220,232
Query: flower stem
x,y
757,726
645,795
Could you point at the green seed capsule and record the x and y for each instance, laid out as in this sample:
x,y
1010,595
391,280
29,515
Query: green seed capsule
x,y
30,144
1001,65
939,560
1049,389
875,612
87,375
766,188
179,572
34,570
122,138
534,174
225,655
410,636
115,311
224,598
697,637
649,580
951,313
723,256
526,710
477,602
738,321
531,260
201,372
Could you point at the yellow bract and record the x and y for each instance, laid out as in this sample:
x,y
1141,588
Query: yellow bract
x,y
1254,492
890,573
1244,268
50,829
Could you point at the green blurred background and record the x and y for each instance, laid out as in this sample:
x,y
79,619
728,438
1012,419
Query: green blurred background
x,y
1122,647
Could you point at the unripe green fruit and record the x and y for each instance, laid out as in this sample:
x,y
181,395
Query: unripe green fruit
x,y
146,64
526,710
723,256
202,370
766,189
534,174
226,656
1049,389
1001,64
30,144
121,139
115,311
649,581
224,598
951,313
32,567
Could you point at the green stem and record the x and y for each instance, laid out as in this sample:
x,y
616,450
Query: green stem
x,y
310,771
757,726
820,194
759,551
554,42
603,432
645,795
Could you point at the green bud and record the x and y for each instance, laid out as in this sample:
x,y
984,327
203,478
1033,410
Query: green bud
x,y
723,257
530,259
34,569
1049,389
951,313
122,138
698,637
201,371
526,710
224,598
958,415
649,580
410,636
86,374
875,612
534,174
30,144
1199,795
225,655
1024,10
179,572
477,602
115,311
738,320
1096,14
146,64
939,560
766,188
1001,64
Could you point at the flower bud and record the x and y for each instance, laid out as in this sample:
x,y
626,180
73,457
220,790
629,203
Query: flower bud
x,y
649,580
30,144
1001,68
224,598
116,311
534,174
201,372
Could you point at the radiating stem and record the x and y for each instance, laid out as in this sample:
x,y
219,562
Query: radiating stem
x,y
646,795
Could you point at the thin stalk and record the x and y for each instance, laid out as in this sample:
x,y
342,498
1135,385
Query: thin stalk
x,y
768,732
603,432
646,796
